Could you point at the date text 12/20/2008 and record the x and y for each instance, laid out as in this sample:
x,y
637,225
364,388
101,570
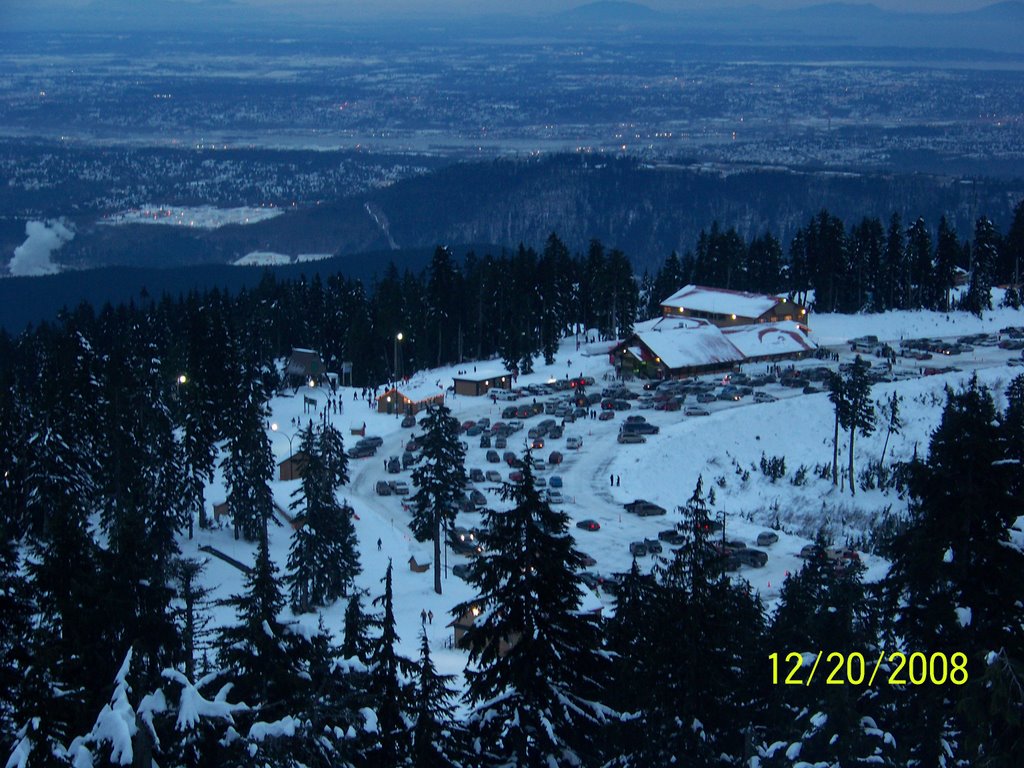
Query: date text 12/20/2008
x,y
896,668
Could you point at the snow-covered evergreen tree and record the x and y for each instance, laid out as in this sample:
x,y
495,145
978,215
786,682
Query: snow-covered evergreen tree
x,y
435,732
535,670
323,561
440,478
249,464
390,688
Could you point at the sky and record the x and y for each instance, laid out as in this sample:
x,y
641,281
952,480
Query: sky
x,y
366,8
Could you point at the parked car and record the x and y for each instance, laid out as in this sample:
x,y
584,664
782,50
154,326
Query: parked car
x,y
485,441
644,508
477,498
408,459
360,451
409,421
461,570
540,482
493,476
515,476
574,442
631,437
767,538
764,397
588,525
509,412
556,481
382,488
653,546
393,465
810,550
500,442
638,549
671,536
399,488
539,465
555,458
555,497
694,410
373,440
476,475
755,558
492,457
588,561
606,416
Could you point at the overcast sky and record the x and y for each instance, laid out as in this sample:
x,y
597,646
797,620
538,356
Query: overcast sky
x,y
364,8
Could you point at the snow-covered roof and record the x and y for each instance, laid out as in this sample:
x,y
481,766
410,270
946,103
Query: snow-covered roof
x,y
690,344
699,298
766,339
417,389
484,374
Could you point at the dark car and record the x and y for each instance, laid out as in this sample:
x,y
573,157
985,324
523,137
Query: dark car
x,y
500,442
653,546
754,558
587,560
510,412
409,421
382,488
461,570
408,460
492,457
477,498
373,440
644,508
638,549
588,525
767,538
606,416
361,451
485,441
476,475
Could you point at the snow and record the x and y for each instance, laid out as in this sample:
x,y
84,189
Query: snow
x,y
688,343
768,339
963,615
262,259
286,726
664,470
201,217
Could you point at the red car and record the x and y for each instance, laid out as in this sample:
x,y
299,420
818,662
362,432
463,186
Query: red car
x,y
589,525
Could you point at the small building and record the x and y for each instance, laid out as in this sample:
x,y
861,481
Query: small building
x,y
722,307
477,384
292,467
410,398
220,510
304,365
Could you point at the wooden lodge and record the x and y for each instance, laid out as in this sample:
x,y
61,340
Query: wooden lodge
x,y
725,308
477,384
291,468
304,365
409,400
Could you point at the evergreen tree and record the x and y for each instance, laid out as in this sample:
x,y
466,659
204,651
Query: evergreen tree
x,y
323,560
919,278
985,258
891,296
440,478
263,655
840,403
1013,247
356,643
824,606
860,410
389,688
947,256
249,465
16,611
893,420
535,670
434,730
954,584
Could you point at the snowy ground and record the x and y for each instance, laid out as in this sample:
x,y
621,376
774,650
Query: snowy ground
x,y
271,258
664,469
201,217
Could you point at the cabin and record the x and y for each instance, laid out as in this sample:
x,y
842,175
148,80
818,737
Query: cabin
x,y
723,308
477,384
292,467
410,398
304,366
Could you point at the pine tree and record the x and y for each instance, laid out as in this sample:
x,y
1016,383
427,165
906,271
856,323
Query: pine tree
x,y
954,584
434,731
323,560
535,669
893,420
249,465
824,606
837,396
985,259
947,256
440,477
860,411
16,611
389,688
356,642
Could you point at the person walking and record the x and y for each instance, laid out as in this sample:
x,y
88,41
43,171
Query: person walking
x,y
430,617
423,616
379,544
611,480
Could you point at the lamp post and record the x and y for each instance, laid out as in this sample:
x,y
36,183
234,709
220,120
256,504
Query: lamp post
x,y
291,452
394,365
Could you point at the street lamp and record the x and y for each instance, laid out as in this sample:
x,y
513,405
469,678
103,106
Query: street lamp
x,y
398,338
289,438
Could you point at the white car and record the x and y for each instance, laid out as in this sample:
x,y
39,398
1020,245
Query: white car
x,y
555,497
574,442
